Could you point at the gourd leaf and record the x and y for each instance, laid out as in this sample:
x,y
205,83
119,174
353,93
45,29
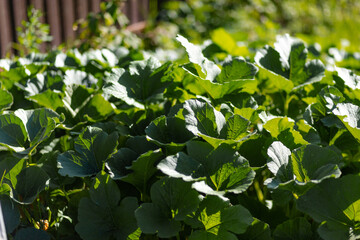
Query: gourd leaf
x,y
286,65
296,229
23,130
222,169
145,82
205,121
299,170
335,204
172,200
217,219
236,75
6,100
103,215
92,148
169,132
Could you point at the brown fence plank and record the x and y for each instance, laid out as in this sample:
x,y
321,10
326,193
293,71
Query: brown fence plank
x,y
68,19
95,5
82,9
53,17
5,28
19,8
134,11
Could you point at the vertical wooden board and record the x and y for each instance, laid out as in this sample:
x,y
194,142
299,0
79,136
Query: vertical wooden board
x,y
82,9
124,8
5,28
38,4
68,18
134,11
53,18
20,14
95,5
144,9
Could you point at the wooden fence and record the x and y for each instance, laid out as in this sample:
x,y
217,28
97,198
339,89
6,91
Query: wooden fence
x,y
59,14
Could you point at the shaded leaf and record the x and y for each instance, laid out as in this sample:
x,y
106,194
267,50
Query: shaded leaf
x,y
172,200
102,216
335,204
92,148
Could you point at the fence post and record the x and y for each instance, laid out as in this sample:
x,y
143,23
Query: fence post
x,y
5,28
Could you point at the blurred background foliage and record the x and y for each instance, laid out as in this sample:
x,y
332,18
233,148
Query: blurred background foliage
x,y
236,27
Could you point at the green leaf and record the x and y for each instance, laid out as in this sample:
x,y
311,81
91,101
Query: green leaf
x,y
236,69
145,82
119,163
77,77
6,100
39,123
102,216
225,41
169,132
31,233
172,200
142,169
282,129
30,182
258,230
203,120
349,114
92,148
217,219
293,229
96,109
280,164
205,68
23,130
237,74
315,163
10,214
12,132
287,62
335,204
349,77
222,169
308,164
48,98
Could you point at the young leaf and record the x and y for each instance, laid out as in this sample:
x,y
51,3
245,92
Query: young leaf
x,y
172,200
92,148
